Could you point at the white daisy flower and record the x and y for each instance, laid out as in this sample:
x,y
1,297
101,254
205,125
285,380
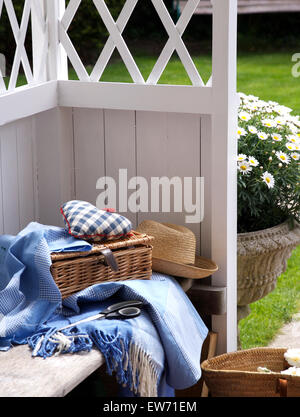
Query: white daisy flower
x,y
290,146
253,98
241,157
244,116
269,122
297,147
293,138
253,161
293,370
295,156
252,107
269,110
277,137
252,129
283,157
262,104
296,120
244,167
241,131
292,356
282,110
262,135
280,121
268,179
292,127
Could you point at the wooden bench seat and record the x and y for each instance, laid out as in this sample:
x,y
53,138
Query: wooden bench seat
x,y
21,375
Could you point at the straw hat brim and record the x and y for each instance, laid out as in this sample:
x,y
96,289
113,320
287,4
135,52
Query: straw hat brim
x,y
202,267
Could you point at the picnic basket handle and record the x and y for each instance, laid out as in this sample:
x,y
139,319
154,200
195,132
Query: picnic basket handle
x,y
282,387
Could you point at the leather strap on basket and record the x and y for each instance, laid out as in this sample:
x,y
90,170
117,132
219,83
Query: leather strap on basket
x,y
109,259
282,387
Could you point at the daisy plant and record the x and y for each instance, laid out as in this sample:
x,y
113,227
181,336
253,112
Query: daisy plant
x,y
268,164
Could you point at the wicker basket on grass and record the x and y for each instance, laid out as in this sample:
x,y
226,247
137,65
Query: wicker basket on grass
x,y
75,271
235,374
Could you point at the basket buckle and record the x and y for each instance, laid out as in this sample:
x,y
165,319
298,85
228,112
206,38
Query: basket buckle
x,y
109,259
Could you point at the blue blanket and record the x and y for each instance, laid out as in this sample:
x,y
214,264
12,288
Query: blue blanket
x,y
160,348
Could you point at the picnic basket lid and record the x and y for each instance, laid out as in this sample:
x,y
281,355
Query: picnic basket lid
x,y
133,239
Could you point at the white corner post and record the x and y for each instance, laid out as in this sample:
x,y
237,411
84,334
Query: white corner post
x,y
223,167
57,57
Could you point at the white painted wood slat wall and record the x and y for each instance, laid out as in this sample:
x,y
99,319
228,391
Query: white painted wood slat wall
x,y
60,154
18,177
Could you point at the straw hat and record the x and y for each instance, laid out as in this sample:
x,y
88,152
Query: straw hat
x,y
174,249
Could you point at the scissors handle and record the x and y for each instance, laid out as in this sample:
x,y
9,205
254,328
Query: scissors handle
x,y
122,310
124,313
122,304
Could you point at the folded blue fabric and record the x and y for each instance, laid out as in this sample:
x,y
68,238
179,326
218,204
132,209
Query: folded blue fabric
x,y
160,348
28,293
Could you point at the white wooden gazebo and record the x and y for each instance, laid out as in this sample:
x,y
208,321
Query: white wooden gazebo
x,y
58,136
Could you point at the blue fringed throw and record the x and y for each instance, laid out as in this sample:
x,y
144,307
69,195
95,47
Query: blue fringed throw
x,y
160,347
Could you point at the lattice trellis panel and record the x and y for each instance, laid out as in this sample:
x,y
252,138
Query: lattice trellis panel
x,y
34,8
116,40
37,11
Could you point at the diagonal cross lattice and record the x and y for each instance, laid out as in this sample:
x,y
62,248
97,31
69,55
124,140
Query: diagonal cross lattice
x,y
19,35
66,41
109,47
116,40
115,37
175,42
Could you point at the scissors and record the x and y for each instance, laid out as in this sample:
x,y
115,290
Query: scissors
x,y
122,310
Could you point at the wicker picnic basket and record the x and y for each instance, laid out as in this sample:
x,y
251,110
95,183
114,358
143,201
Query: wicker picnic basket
x,y
235,374
75,271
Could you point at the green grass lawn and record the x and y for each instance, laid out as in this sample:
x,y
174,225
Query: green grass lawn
x,y
267,76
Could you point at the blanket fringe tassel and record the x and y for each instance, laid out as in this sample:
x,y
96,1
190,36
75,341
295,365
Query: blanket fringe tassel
x,y
134,368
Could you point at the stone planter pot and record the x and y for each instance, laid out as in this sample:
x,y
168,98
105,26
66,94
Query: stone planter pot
x,y
261,258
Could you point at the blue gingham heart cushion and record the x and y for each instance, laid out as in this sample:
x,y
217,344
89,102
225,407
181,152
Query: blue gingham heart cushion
x,y
85,221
